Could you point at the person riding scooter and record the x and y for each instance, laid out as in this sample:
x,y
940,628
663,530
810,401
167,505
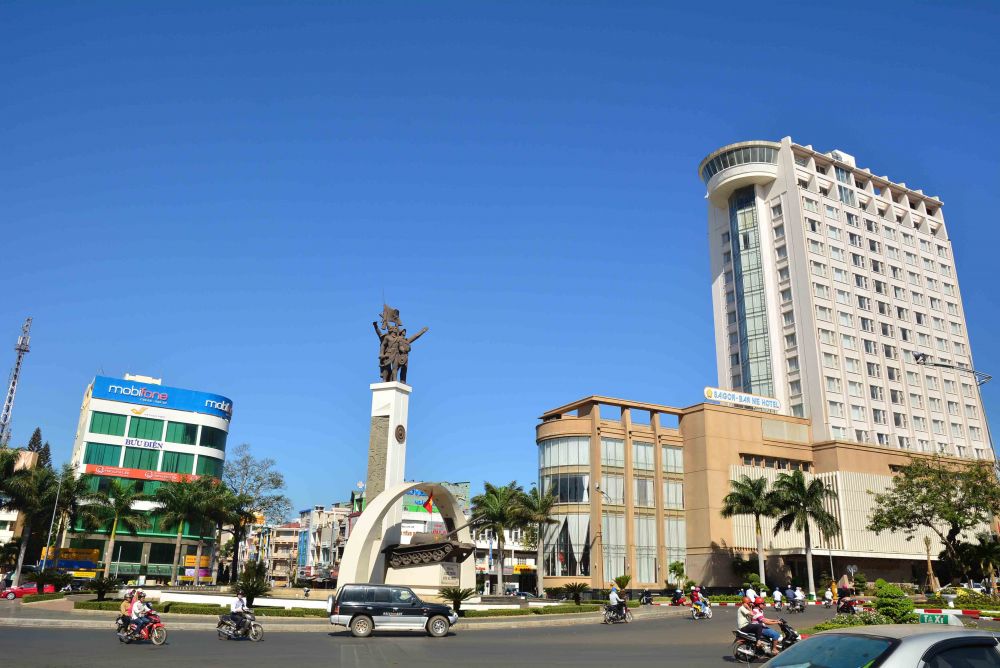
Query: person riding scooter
x,y
845,606
139,613
237,612
699,600
616,601
677,598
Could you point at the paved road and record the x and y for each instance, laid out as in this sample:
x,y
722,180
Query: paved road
x,y
648,642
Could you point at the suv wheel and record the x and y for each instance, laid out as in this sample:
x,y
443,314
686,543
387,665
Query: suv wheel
x,y
438,626
361,626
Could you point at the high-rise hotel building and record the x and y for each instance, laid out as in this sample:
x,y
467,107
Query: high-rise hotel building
x,y
827,282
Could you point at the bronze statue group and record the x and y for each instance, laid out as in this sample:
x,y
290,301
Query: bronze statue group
x,y
394,345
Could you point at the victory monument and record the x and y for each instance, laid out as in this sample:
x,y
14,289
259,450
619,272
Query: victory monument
x,y
373,552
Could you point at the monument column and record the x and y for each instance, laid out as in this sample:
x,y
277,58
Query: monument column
x,y
387,440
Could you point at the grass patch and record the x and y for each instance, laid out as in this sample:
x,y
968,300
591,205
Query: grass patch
x,y
846,621
35,598
565,609
294,612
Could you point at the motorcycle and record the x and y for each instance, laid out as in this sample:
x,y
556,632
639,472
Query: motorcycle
x,y
828,603
154,631
612,616
747,648
646,597
847,606
250,629
696,612
797,605
778,606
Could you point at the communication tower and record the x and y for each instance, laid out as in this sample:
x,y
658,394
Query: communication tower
x,y
21,349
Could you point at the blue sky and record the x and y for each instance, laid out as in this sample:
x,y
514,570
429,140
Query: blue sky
x,y
222,194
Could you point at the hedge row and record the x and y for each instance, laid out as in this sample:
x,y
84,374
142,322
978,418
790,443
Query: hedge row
x,y
180,608
548,610
34,598
96,605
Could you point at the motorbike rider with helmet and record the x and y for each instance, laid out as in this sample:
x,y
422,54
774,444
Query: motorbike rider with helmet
x,y
139,613
757,617
237,612
698,599
616,601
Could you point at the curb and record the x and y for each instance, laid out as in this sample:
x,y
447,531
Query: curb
x,y
322,625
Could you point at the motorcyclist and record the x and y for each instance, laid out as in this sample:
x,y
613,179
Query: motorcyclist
x,y
800,597
744,618
698,599
757,615
677,597
846,605
777,598
139,612
789,594
828,597
616,601
237,611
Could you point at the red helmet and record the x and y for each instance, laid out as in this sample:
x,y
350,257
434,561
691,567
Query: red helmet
x,y
759,601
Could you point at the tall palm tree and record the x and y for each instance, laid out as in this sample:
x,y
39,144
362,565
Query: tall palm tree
x,y
499,509
114,506
749,496
30,492
74,493
797,503
210,495
181,504
537,507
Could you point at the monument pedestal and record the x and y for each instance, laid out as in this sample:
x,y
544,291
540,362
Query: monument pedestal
x,y
387,454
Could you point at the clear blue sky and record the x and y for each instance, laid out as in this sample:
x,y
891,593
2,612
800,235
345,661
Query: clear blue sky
x,y
221,195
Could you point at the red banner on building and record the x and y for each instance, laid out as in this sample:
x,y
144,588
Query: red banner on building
x,y
138,474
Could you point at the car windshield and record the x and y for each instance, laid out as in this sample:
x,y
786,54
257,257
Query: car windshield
x,y
834,651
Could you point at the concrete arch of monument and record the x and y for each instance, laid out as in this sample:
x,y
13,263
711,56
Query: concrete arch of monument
x,y
362,561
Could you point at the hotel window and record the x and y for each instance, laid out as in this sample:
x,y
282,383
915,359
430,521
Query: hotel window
x,y
932,284
107,423
643,489
817,268
867,325
673,459
858,413
675,536
795,388
916,401
919,423
824,313
673,495
882,439
881,287
179,432
783,274
612,452
945,269
833,232
839,275
874,370
852,364
642,456
838,433
836,409
860,281
848,342
957,431
846,196
567,487
810,205
855,389
858,261
878,267
952,408
102,454
141,458
826,336
209,466
976,434
917,298
833,384
876,392
853,220
845,319
177,462
952,308
213,438
776,211
870,346
614,487
861,435
896,396
145,428
949,289
899,420
878,416
789,341
888,232
816,246
830,360
892,373
781,252
843,297
786,295
936,404
889,352
798,410
892,252
831,212
814,225
566,451
645,549
793,364
864,303
968,391
904,442
937,426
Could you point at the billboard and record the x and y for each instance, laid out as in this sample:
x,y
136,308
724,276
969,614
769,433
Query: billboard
x,y
741,398
161,396
138,474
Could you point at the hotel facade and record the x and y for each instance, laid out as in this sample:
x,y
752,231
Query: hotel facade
x,y
640,486
146,434
830,286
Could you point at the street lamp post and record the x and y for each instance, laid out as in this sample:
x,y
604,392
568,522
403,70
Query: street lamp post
x,y
48,540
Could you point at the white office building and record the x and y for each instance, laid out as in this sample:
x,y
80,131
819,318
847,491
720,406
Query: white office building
x,y
829,283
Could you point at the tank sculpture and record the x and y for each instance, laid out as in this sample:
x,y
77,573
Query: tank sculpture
x,y
428,548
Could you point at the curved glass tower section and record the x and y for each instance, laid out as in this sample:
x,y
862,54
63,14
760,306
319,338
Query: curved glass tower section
x,y
751,304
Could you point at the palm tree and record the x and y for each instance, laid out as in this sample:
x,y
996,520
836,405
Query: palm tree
x,y
749,496
181,503
29,492
499,509
987,553
74,493
797,503
537,507
209,495
114,506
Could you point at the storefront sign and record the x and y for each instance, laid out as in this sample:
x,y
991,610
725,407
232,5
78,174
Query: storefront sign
x,y
449,574
138,474
742,398
190,558
140,443
145,394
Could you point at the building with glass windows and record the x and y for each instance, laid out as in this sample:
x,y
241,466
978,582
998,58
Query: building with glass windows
x,y
147,434
640,486
831,287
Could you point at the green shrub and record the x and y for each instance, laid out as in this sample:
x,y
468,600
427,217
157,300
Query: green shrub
x,y
508,612
967,599
96,605
103,586
892,602
554,592
35,598
253,580
175,608
575,589
844,621
455,596
860,582
50,576
565,609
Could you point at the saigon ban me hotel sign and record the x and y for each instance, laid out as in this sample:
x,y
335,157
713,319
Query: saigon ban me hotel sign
x,y
741,398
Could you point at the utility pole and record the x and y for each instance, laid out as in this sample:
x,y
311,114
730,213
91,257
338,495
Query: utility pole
x,y
21,349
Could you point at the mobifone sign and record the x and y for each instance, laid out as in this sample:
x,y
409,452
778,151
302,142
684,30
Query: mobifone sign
x,y
741,398
134,392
